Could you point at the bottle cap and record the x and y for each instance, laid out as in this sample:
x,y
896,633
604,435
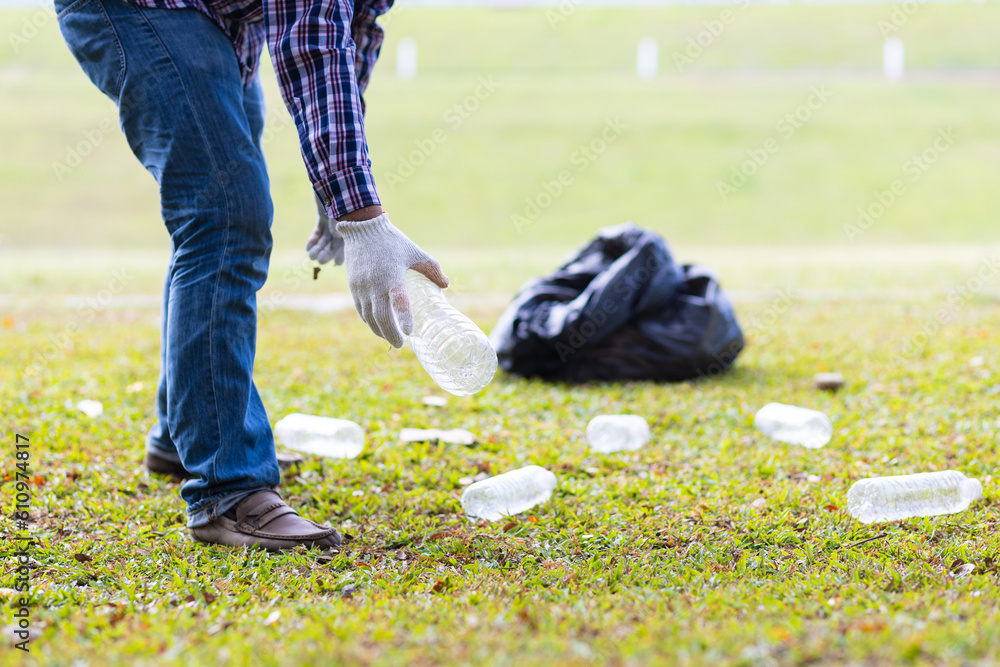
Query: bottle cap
x,y
972,489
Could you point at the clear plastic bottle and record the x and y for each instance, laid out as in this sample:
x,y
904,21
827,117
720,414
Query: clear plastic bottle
x,y
323,436
451,348
794,425
616,433
509,493
90,408
903,496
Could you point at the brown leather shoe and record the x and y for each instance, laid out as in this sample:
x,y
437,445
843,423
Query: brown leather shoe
x,y
162,466
264,520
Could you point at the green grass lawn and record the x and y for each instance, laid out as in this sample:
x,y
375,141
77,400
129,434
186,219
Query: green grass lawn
x,y
710,545
713,544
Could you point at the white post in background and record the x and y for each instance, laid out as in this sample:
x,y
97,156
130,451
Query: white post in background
x,y
406,59
647,59
893,60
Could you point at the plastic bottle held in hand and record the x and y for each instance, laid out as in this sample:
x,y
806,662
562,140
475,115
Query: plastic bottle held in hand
x,y
323,436
454,351
508,494
903,496
616,433
794,425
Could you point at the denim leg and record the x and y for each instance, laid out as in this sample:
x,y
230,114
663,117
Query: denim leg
x,y
158,440
184,112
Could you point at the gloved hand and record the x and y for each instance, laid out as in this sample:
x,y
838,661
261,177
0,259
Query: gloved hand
x,y
378,256
325,243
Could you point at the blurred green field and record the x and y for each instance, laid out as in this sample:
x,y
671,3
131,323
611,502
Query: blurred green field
x,y
557,85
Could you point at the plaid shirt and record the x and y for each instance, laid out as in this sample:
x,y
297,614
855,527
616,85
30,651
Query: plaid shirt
x,y
323,53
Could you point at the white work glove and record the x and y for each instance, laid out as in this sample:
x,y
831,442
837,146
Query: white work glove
x,y
325,243
378,256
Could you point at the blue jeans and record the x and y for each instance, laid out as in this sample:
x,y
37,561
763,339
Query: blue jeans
x,y
191,122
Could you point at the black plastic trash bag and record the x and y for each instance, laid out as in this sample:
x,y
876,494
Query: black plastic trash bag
x,y
620,309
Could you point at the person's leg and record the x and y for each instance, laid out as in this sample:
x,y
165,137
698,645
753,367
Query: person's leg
x,y
161,453
183,109
160,448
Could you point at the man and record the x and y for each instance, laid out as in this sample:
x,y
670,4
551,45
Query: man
x,y
184,76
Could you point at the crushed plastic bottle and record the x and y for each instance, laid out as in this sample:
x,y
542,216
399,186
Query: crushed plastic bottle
x,y
509,493
616,433
904,496
794,425
323,436
451,348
